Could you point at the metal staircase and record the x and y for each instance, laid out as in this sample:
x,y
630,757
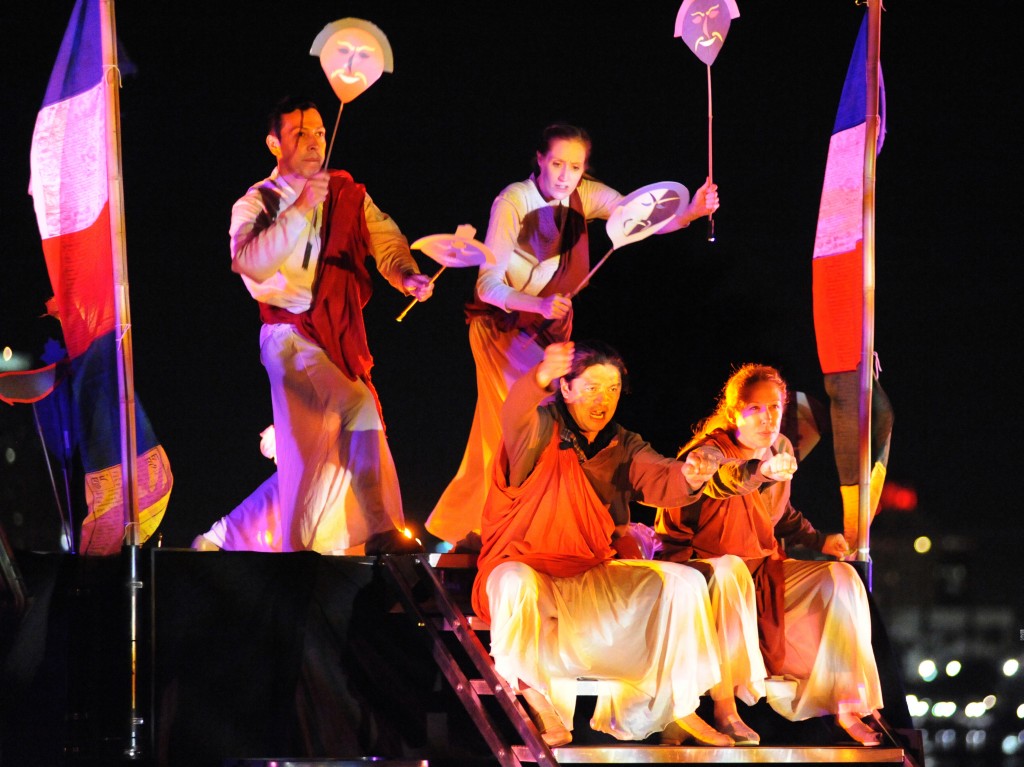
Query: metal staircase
x,y
433,591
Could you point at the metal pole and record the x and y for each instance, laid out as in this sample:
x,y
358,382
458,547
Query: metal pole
x,y
67,524
125,376
867,367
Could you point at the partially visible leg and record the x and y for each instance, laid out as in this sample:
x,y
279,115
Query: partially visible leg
x,y
336,478
648,632
253,525
828,645
733,604
548,722
858,730
524,630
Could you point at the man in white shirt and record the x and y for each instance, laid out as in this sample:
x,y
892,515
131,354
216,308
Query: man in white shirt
x,y
300,239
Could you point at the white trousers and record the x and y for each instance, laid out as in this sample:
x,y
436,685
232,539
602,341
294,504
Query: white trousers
x,y
337,483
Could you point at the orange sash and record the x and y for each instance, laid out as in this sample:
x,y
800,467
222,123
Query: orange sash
x,y
554,522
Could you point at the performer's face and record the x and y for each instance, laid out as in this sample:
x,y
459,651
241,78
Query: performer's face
x,y
301,147
592,397
759,418
353,60
561,168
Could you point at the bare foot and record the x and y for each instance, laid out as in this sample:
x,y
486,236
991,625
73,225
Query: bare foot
x,y
552,730
741,734
857,730
692,727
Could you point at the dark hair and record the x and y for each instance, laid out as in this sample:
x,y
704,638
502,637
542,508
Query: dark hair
x,y
586,354
562,132
287,105
735,391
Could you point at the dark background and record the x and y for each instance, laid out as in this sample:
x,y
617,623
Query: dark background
x,y
436,140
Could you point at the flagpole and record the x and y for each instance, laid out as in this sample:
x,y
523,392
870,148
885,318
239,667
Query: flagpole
x,y
125,376
67,524
867,359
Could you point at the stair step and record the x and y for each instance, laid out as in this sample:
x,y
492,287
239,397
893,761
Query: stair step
x,y
644,754
584,687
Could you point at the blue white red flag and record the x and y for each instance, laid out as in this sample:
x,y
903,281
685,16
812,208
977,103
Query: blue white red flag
x,y
71,195
838,268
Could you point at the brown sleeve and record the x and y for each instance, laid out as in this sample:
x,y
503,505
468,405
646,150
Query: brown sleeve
x,y
526,426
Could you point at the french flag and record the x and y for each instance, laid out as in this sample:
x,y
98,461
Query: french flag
x,y
70,188
69,185
838,261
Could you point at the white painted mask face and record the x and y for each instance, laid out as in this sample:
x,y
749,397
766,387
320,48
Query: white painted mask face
x,y
353,60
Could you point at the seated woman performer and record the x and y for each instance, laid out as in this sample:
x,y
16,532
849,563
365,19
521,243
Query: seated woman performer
x,y
560,579
538,235
814,615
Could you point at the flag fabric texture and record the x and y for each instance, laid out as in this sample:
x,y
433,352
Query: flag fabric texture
x,y
838,261
838,290
70,190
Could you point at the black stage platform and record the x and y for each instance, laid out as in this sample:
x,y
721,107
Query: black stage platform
x,y
251,659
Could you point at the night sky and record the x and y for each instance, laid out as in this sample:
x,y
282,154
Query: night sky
x,y
436,140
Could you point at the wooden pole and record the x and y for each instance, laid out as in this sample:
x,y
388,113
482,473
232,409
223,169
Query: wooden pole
x,y
711,173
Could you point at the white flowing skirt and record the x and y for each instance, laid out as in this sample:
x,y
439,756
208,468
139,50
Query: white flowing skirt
x,y
645,629
830,665
734,606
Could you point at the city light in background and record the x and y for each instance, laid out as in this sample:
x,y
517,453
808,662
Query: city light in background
x,y
955,628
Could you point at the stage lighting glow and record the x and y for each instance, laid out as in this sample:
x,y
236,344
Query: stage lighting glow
x,y
922,544
953,668
989,701
8,353
1011,667
927,671
9,455
1020,711
943,709
945,739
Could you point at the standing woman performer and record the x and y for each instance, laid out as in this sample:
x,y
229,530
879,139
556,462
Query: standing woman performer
x,y
814,616
538,235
